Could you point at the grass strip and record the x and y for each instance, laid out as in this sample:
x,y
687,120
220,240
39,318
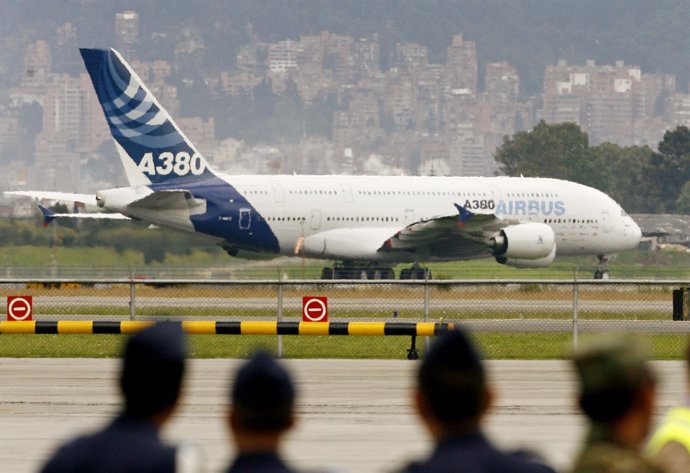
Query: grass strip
x,y
494,346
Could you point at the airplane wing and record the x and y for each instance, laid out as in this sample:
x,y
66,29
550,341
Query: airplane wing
x,y
463,234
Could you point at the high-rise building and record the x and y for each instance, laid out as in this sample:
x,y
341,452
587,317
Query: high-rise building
x,y
127,33
66,52
461,64
37,65
502,81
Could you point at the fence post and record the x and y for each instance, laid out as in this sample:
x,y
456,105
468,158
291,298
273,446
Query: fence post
x,y
132,299
279,349
427,341
576,296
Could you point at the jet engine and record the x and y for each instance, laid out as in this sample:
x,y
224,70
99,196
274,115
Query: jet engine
x,y
528,263
524,244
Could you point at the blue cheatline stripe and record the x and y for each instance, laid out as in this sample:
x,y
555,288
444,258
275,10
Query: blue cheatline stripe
x,y
220,328
144,129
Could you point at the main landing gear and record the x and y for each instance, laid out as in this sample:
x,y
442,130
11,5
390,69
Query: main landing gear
x,y
365,270
357,270
602,271
415,272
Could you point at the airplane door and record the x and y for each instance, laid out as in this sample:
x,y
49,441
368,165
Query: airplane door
x,y
278,194
606,221
315,219
409,216
245,219
347,192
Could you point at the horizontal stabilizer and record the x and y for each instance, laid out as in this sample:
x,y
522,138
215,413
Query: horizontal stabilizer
x,y
49,215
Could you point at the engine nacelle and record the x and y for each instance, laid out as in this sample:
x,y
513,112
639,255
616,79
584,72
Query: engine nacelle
x,y
528,263
525,241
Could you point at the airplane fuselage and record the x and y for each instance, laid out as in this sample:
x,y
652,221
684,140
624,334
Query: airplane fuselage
x,y
274,214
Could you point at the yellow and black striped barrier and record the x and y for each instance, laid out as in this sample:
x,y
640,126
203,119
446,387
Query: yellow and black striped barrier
x,y
230,328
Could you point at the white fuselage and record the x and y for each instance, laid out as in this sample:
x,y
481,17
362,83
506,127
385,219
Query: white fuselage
x,y
584,220
351,217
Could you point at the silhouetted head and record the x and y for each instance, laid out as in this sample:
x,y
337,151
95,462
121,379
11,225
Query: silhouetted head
x,y
452,380
612,371
153,367
262,396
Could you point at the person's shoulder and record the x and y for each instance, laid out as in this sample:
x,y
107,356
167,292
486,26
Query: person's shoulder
x,y
497,462
529,462
70,453
613,459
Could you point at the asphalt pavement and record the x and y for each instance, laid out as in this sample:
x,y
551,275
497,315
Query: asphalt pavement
x,y
354,415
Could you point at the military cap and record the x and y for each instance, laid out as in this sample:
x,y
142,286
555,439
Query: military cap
x,y
452,377
263,394
610,371
152,368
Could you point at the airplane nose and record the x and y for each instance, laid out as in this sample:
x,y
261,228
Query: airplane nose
x,y
635,233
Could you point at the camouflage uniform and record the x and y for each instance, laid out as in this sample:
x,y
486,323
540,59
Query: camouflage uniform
x,y
602,454
611,371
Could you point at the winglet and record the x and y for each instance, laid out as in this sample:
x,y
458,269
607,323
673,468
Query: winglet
x,y
48,215
464,215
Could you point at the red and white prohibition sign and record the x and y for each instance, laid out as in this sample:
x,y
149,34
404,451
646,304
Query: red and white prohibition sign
x,y
314,309
18,308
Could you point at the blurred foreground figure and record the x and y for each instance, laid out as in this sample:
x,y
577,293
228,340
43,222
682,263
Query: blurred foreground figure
x,y
153,367
617,391
452,397
261,413
670,444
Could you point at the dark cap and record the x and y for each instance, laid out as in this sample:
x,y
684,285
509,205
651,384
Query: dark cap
x,y
611,370
152,368
452,378
263,394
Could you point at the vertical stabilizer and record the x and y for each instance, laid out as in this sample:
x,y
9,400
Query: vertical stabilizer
x,y
152,148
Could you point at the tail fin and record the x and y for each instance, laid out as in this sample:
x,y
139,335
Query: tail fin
x,y
48,215
151,146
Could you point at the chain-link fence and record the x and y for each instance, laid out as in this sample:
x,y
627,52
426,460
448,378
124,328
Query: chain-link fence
x,y
510,319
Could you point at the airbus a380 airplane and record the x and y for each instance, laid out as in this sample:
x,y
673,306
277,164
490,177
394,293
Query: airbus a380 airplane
x,y
366,223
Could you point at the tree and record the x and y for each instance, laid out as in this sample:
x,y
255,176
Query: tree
x,y
559,151
683,201
669,169
626,168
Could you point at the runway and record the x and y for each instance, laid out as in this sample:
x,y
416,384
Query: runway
x,y
354,415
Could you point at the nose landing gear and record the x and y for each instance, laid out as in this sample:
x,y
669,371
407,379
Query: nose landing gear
x,y
602,271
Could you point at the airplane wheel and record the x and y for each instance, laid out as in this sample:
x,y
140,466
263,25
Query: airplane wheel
x,y
327,273
387,274
412,355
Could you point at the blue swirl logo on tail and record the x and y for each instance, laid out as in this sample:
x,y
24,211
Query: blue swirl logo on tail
x,y
159,152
